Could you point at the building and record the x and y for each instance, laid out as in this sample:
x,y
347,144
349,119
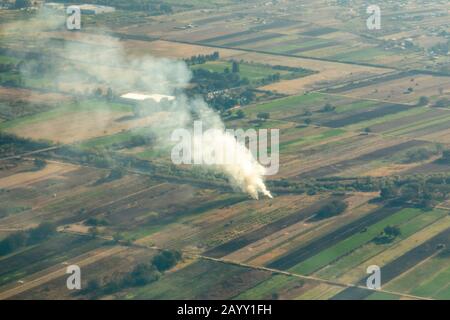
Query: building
x,y
139,97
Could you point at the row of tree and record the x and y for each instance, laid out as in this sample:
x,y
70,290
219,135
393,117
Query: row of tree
x,y
202,58
141,275
21,239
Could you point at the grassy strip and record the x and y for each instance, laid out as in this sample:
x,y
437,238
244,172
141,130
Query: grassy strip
x,y
344,247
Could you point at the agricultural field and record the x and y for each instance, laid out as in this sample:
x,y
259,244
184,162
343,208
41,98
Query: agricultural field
x,y
91,122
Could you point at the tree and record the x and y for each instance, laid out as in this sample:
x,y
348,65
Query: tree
x,y
166,259
109,94
117,237
328,108
240,114
92,286
42,232
235,67
334,208
388,235
442,103
263,116
12,242
307,113
445,156
247,97
423,101
393,231
141,275
39,164
388,192
93,232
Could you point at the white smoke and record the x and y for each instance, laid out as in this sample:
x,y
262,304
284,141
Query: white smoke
x,y
240,165
102,59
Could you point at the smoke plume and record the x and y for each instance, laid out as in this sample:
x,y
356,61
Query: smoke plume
x,y
104,60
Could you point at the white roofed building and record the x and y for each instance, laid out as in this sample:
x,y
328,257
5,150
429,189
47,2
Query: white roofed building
x,y
139,97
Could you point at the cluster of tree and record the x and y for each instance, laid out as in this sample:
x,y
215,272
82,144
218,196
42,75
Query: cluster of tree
x,y
414,193
263,116
328,108
105,94
389,234
445,157
96,222
202,58
419,154
331,209
269,79
112,160
12,144
133,141
290,69
207,81
229,99
442,103
10,110
21,239
114,174
39,164
442,48
141,275
423,191
423,101
7,67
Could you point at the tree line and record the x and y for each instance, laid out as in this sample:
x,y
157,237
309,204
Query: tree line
x,y
25,238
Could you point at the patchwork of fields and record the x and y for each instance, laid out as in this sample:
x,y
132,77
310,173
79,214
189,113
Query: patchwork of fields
x,y
364,153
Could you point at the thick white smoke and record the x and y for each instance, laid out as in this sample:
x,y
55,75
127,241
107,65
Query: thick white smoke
x,y
243,170
103,60
238,162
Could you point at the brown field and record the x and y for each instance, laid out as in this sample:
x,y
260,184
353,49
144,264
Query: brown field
x,y
394,91
199,232
328,72
259,248
84,125
30,96
328,155
23,179
170,49
57,271
290,241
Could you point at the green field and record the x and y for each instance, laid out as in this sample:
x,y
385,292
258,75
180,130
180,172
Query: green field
x,y
253,72
348,245
66,110
351,260
293,145
281,108
267,288
429,279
